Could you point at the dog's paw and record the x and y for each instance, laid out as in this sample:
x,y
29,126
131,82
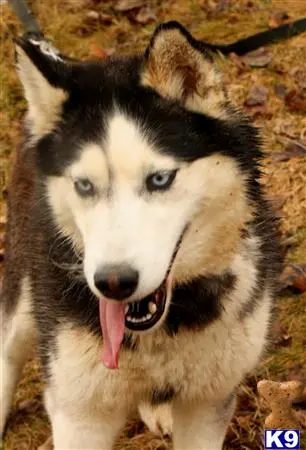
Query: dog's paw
x,y
158,418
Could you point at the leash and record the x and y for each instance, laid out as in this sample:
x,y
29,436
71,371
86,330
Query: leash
x,y
240,47
27,19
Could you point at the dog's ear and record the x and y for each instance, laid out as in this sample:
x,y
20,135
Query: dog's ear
x,y
181,68
43,74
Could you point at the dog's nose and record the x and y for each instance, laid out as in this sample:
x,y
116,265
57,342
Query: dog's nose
x,y
116,282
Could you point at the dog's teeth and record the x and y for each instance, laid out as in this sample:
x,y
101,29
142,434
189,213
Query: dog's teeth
x,y
152,307
126,309
148,316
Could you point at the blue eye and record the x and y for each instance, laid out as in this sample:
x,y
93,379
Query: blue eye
x,y
160,181
84,187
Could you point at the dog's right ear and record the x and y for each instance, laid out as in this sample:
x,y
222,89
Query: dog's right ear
x,y
44,76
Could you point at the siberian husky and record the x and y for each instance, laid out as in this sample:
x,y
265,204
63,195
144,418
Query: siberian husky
x,y
141,255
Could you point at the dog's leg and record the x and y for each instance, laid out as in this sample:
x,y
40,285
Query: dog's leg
x,y
158,418
200,426
72,434
18,336
78,429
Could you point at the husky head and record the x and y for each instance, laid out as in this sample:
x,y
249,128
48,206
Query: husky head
x,y
148,170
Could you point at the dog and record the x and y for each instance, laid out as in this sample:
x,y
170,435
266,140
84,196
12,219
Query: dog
x,y
141,254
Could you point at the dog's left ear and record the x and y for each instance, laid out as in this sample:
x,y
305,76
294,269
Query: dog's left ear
x,y
180,68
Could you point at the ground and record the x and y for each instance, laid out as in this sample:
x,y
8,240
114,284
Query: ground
x,y
274,95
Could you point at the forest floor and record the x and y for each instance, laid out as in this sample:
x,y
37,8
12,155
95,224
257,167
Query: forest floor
x,y
273,94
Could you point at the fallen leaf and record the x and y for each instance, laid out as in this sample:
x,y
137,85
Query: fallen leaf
x,y
105,19
276,331
285,341
146,15
258,111
296,100
291,151
277,18
293,277
101,53
94,18
280,90
93,15
127,5
258,95
279,336
76,5
239,63
258,58
222,5
299,75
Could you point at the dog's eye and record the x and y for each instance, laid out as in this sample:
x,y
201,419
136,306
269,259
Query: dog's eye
x,y
84,187
160,180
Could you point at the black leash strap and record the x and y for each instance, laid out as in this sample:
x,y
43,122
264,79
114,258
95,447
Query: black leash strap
x,y
272,36
26,17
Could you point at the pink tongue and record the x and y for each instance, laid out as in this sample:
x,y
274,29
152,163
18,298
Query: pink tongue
x,y
112,319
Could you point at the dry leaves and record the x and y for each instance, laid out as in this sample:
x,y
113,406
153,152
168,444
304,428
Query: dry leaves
x,y
296,100
293,149
258,95
280,90
294,278
279,336
137,11
277,18
94,19
258,58
256,101
146,15
101,53
128,5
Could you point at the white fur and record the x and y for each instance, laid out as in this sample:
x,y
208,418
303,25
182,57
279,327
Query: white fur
x,y
206,366
158,418
17,340
138,228
199,426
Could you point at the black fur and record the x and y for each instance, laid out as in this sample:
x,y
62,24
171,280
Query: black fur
x,y
196,304
269,261
163,395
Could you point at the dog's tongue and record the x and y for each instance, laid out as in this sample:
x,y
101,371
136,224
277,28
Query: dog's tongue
x,y
112,319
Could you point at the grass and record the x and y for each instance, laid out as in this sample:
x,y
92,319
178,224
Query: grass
x,y
65,23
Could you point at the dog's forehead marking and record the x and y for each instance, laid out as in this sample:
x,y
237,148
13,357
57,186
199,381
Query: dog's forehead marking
x,y
129,152
92,163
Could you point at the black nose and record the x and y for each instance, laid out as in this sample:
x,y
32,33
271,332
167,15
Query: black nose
x,y
116,282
